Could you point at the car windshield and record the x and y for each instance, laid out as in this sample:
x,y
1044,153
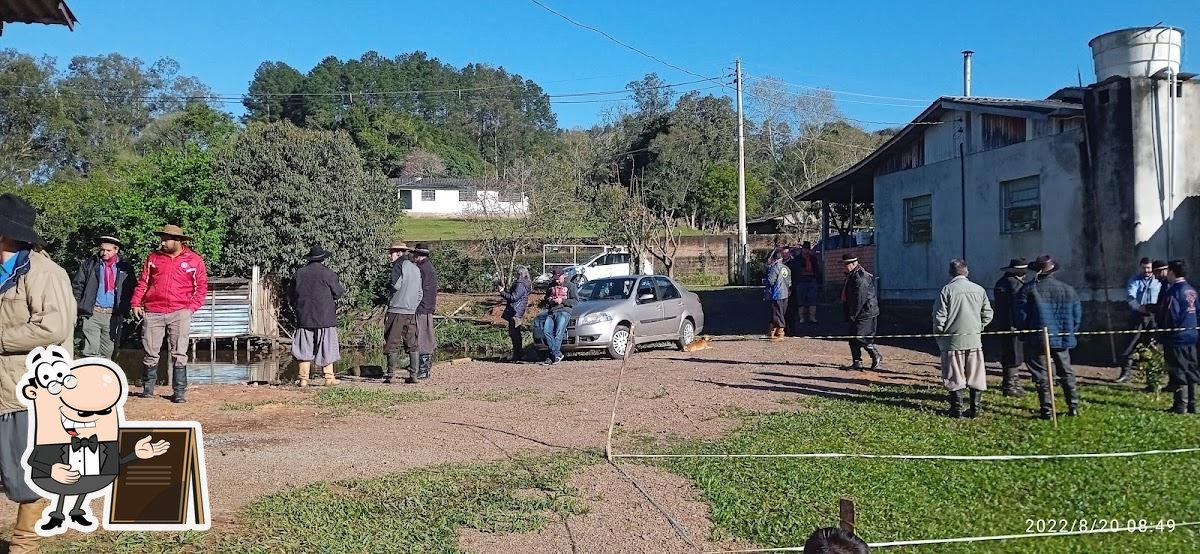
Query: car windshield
x,y
607,289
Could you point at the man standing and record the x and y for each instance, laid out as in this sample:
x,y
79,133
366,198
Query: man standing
x,y
37,309
171,288
1011,355
103,288
962,311
426,341
1141,293
861,308
1178,311
400,321
315,290
807,278
1049,303
778,288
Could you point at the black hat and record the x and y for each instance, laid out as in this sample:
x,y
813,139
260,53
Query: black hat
x,y
1017,263
16,219
1160,265
806,244
421,249
316,254
1044,264
109,239
849,258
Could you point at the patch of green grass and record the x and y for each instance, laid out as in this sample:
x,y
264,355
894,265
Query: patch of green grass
x,y
245,406
778,502
343,400
701,279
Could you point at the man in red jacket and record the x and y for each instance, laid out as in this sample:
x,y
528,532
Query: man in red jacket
x,y
172,287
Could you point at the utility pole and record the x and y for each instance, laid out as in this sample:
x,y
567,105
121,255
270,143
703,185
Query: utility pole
x,y
743,247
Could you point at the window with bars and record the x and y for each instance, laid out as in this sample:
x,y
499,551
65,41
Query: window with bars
x,y
428,195
918,218
1021,205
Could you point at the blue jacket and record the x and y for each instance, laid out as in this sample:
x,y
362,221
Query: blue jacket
x,y
1141,291
1178,310
778,281
1050,303
517,298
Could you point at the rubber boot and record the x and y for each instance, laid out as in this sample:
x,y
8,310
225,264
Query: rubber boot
x,y
1191,398
1126,373
179,382
414,364
149,376
1011,384
24,534
426,366
876,357
327,372
955,404
974,409
393,361
1044,410
1179,405
304,373
1072,394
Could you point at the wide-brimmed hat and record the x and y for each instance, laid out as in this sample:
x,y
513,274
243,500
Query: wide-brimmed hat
x,y
1017,263
16,219
422,248
316,254
109,239
173,231
849,258
1044,264
399,245
1160,265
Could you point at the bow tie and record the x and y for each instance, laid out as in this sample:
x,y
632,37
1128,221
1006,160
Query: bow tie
x,y
77,443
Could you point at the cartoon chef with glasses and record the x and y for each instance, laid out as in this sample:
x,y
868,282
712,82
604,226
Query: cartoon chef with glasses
x,y
77,413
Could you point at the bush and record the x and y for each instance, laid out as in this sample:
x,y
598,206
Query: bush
x,y
459,272
1149,362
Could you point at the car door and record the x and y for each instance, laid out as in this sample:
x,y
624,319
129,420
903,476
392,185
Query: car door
x,y
648,309
672,302
618,264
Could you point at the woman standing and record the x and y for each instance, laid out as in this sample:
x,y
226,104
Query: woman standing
x,y
517,299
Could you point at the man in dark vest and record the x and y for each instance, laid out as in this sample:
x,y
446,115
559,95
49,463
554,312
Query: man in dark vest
x,y
861,307
1011,355
103,288
315,291
426,341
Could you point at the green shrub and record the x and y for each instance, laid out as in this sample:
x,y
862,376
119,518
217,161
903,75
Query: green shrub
x,y
460,272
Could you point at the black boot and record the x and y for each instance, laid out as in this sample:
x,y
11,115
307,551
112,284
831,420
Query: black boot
x,y
77,517
179,382
1126,373
1045,407
1191,398
955,404
56,521
856,365
1072,394
426,366
976,396
149,376
876,357
393,360
1011,385
414,365
1179,405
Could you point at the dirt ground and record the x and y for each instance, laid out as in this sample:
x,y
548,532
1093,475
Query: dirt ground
x,y
492,410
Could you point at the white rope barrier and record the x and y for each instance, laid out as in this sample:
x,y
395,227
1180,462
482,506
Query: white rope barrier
x,y
993,457
736,338
965,539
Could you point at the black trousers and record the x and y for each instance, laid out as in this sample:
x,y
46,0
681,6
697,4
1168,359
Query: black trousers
x,y
778,313
514,334
792,315
1011,351
1141,323
1039,371
864,333
1183,368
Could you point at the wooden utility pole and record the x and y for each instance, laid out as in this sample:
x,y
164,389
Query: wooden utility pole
x,y
743,247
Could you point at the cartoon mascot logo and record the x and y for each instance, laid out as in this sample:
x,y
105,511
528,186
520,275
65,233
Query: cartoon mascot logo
x,y
80,444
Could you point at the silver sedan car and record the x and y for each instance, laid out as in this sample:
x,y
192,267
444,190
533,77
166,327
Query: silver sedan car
x,y
646,308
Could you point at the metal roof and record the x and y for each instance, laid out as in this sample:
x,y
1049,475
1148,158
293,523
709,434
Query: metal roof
x,y
857,183
444,183
49,12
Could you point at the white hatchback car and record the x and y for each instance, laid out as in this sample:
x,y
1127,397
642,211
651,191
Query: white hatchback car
x,y
613,263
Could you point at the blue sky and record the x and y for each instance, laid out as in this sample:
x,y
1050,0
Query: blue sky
x,y
894,49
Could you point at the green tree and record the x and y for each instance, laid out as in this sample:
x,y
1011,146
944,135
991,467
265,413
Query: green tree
x,y
33,129
290,188
715,200
197,125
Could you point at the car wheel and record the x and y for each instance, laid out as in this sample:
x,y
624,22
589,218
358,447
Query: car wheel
x,y
687,334
581,280
621,341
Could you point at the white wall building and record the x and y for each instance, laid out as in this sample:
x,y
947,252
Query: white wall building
x,y
441,196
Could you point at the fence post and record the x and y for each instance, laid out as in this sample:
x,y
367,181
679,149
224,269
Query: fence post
x,y
846,514
730,262
1050,374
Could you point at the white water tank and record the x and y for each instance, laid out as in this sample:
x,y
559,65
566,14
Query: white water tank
x,y
1138,52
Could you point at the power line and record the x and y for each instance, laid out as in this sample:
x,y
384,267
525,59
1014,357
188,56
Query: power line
x,y
848,93
840,116
761,79
616,40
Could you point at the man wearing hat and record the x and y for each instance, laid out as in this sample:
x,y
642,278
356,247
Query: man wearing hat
x,y
37,309
400,321
103,288
1141,293
1178,311
1011,356
171,288
861,307
426,341
315,290
1049,303
807,278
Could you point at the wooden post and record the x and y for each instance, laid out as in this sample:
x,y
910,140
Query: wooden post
x,y
730,261
1050,374
846,514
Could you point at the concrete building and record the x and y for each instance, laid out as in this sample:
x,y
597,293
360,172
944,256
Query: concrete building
x,y
440,196
1096,176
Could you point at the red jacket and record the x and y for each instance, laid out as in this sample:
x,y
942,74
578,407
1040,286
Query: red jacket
x,y
171,284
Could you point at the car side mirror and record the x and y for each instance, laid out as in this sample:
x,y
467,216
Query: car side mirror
x,y
645,298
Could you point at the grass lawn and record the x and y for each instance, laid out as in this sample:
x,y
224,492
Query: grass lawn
x,y
778,502
429,228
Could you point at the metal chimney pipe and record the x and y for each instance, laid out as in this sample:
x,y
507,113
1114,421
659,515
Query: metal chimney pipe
x,y
967,72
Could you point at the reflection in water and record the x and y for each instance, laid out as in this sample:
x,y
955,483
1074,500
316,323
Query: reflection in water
x,y
229,367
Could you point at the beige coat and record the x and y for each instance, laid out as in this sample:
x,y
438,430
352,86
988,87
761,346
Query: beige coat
x,y
38,311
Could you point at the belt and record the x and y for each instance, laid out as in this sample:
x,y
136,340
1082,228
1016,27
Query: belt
x,y
102,310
